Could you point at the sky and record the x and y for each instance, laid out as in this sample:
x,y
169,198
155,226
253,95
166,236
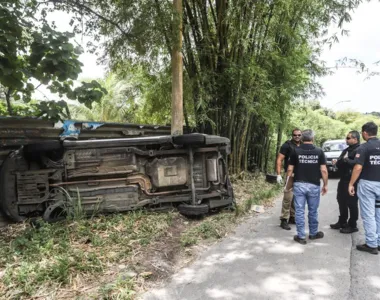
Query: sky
x,y
90,67
363,43
345,89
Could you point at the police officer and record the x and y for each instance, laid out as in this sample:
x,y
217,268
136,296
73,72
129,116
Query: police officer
x,y
308,163
367,170
345,164
287,211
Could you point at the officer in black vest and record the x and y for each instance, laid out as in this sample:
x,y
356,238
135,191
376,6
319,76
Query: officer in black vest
x,y
287,211
345,164
367,170
308,163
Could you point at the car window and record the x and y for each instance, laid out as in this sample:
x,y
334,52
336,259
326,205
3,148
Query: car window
x,y
334,146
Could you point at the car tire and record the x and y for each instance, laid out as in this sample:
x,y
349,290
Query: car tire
x,y
189,210
189,139
8,196
42,147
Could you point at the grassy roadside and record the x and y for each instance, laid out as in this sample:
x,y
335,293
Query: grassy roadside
x,y
249,191
110,257
37,262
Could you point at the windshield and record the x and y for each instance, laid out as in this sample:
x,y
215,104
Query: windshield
x,y
337,146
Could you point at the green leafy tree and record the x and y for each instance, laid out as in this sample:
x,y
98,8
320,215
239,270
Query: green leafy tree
x,y
326,127
348,116
245,61
117,106
134,96
33,52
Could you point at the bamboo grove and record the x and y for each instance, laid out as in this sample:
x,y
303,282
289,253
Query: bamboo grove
x,y
245,61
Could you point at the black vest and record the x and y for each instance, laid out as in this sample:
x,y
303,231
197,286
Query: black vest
x,y
345,168
371,166
292,148
308,162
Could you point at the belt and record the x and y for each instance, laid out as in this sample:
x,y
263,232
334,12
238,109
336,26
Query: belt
x,y
302,181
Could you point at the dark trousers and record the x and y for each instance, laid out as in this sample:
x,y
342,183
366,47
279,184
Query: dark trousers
x,y
347,203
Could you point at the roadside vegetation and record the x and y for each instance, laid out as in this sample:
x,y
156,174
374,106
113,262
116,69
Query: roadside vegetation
x,y
113,256
326,123
219,225
40,259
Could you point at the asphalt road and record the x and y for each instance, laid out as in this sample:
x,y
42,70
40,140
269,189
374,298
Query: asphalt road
x,y
261,261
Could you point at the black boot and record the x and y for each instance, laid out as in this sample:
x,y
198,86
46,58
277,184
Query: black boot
x,y
368,249
299,240
338,225
284,224
319,235
292,220
349,229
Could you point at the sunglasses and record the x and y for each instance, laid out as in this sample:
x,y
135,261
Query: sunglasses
x,y
348,138
296,135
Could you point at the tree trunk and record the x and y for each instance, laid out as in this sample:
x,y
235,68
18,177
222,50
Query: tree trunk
x,y
267,155
186,119
243,143
177,72
8,99
247,145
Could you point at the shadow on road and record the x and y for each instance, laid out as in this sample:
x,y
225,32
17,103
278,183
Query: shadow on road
x,y
228,274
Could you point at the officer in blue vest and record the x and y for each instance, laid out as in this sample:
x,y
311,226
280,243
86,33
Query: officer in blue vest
x,y
367,171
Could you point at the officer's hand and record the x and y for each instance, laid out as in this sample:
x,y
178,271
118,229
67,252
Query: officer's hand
x,y
351,190
334,162
279,179
324,190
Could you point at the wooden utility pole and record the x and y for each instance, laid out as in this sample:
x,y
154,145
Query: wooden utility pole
x,y
177,69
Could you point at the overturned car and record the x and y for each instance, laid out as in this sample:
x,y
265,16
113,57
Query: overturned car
x,y
115,175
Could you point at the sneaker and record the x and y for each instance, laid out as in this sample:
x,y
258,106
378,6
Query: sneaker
x,y
338,225
349,229
284,225
319,235
368,249
299,240
292,220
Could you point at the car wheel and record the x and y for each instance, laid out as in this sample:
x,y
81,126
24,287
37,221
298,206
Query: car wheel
x,y
55,213
189,210
8,195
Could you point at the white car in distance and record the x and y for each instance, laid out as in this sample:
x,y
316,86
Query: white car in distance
x,y
332,150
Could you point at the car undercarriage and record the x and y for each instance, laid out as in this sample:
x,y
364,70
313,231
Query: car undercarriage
x,y
50,179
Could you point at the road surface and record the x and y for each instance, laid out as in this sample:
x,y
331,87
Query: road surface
x,y
261,261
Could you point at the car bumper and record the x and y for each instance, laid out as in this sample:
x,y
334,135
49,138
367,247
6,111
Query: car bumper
x,y
331,167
